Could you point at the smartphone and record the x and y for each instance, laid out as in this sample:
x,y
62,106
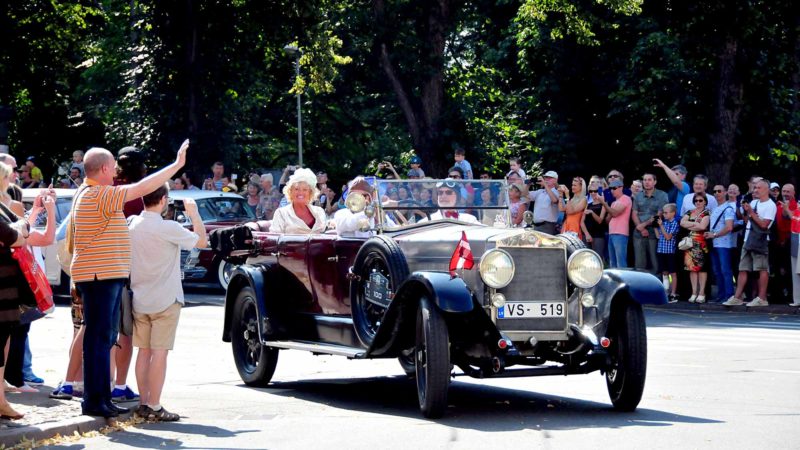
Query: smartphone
x,y
600,190
234,176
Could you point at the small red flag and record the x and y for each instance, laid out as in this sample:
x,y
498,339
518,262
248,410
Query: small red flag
x,y
462,257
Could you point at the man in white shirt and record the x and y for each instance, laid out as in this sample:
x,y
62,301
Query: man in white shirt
x,y
545,203
699,186
448,194
758,213
156,246
349,223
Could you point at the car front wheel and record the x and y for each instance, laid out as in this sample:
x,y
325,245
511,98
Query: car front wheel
x,y
432,360
625,375
254,361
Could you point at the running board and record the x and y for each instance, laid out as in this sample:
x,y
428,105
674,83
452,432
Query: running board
x,y
319,349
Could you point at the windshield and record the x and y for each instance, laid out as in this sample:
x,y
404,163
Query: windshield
x,y
407,202
220,209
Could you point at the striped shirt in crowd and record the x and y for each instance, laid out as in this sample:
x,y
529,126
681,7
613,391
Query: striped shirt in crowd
x,y
102,243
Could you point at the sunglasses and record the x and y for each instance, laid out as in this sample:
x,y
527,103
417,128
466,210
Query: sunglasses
x,y
592,191
718,191
613,175
446,192
615,188
699,200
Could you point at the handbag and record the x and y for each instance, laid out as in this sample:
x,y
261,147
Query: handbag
x,y
126,311
686,243
36,278
757,238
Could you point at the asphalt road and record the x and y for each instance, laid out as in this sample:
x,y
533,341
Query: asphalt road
x,y
717,380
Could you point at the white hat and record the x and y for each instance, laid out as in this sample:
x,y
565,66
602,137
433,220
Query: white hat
x,y
774,185
302,175
551,174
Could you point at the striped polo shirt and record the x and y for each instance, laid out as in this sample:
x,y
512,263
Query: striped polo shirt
x,y
102,243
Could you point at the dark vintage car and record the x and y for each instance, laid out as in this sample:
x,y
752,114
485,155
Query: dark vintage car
x,y
533,304
218,210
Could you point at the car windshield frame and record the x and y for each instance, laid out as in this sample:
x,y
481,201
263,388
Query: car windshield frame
x,y
391,211
206,204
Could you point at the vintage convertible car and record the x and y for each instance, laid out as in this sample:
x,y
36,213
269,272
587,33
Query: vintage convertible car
x,y
409,287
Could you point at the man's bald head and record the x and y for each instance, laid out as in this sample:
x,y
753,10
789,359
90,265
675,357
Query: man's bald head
x,y
95,159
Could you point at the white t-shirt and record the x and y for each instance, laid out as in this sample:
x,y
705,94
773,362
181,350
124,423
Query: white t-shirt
x,y
688,203
765,210
464,217
156,261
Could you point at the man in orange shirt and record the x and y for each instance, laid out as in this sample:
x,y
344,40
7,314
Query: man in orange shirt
x,y
101,264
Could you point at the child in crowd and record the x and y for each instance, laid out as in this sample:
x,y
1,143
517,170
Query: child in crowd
x,y
667,243
462,163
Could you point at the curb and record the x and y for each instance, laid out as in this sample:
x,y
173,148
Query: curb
x,y
12,436
782,309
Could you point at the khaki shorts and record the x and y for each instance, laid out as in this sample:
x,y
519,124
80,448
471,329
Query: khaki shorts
x,y
753,262
156,331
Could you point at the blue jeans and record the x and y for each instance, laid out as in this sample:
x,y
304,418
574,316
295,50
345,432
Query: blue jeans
x,y
617,250
27,368
723,274
101,300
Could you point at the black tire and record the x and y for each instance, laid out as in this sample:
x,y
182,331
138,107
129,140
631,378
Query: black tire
x,y
254,361
626,374
572,241
432,360
381,254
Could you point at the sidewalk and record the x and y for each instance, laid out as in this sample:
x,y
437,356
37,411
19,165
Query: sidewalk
x,y
46,417
771,309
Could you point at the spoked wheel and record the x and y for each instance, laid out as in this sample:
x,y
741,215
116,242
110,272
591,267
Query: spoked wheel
x,y
254,361
380,267
432,354
625,375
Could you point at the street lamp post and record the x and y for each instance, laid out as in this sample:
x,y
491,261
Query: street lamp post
x,y
291,50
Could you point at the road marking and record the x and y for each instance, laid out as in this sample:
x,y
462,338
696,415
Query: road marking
x,y
793,372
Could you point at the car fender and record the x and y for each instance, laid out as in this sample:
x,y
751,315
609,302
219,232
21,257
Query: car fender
x,y
626,285
450,295
245,275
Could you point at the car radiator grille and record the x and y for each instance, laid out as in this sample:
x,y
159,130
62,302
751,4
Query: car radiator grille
x,y
540,276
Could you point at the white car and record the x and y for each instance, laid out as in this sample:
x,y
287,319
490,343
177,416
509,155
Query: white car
x,y
59,280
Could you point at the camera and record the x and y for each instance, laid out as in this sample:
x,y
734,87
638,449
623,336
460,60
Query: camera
x,y
656,217
748,197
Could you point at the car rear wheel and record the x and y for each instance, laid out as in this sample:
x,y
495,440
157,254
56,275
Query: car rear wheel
x,y
380,266
254,361
432,360
625,375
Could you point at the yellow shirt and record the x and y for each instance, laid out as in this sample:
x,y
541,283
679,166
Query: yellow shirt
x,y
102,243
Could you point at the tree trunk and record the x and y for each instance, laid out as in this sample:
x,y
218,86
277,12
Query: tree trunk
x,y
422,112
727,108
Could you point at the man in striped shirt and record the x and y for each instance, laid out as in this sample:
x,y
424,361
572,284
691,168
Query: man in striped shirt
x,y
101,264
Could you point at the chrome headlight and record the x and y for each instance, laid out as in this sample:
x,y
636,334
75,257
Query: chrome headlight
x,y
497,268
584,268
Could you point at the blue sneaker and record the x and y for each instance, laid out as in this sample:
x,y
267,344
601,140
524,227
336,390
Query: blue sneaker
x,y
33,380
124,395
62,392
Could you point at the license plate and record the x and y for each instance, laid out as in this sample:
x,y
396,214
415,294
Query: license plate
x,y
527,310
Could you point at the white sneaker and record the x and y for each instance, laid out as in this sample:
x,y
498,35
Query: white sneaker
x,y
733,301
700,299
758,302
692,298
795,303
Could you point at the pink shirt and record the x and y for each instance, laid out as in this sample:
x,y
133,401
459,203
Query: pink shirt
x,y
621,223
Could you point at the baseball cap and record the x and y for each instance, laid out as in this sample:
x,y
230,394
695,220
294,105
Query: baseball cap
x,y
615,183
550,174
415,173
415,160
680,168
774,185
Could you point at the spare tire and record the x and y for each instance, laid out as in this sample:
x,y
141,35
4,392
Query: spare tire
x,y
573,242
379,268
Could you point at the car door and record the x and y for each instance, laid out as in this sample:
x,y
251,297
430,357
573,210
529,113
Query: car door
x,y
293,259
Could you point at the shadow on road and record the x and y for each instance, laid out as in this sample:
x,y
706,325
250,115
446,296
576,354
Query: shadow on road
x,y
130,437
478,407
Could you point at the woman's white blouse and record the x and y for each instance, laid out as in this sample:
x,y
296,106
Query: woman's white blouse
x,y
286,221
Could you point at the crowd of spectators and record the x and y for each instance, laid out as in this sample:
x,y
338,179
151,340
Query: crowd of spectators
x,y
718,243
